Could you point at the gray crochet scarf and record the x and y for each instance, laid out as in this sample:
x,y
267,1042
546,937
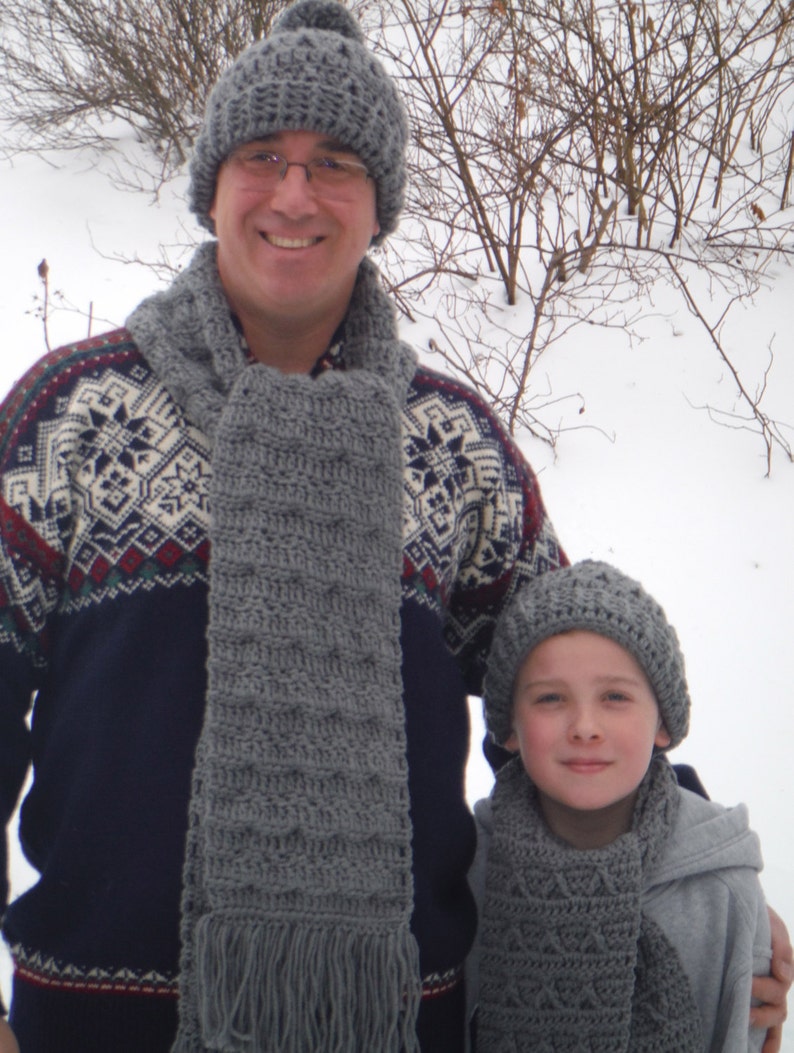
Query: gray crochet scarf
x,y
297,887
569,962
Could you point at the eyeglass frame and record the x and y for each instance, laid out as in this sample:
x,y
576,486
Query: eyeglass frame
x,y
239,155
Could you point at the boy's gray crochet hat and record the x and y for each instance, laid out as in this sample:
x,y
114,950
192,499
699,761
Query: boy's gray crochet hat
x,y
596,597
314,72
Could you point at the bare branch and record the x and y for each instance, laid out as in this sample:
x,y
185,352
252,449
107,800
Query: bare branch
x,y
770,430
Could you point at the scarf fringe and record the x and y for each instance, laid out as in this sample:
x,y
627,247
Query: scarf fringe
x,y
291,987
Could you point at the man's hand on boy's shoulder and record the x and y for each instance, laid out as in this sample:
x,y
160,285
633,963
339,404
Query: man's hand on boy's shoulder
x,y
772,991
8,1044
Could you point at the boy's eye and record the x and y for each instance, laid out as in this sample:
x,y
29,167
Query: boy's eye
x,y
616,696
548,698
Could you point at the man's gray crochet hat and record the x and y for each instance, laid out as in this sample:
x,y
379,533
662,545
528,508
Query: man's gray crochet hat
x,y
596,597
314,73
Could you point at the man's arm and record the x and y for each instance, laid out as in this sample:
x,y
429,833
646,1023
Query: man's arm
x,y
29,591
772,990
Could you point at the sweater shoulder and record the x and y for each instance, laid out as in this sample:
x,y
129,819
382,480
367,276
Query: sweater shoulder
x,y
439,403
104,486
49,384
78,356
429,383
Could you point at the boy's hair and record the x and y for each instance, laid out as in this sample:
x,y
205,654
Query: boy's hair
x,y
599,598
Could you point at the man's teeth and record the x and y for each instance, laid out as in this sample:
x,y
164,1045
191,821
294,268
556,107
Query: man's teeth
x,y
290,243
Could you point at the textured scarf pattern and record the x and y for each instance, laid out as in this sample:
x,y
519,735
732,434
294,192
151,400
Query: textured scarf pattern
x,y
569,963
297,889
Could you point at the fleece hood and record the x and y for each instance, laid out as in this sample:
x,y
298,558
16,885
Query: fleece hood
x,y
706,837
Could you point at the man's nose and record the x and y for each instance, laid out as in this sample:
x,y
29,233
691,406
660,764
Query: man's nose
x,y
294,194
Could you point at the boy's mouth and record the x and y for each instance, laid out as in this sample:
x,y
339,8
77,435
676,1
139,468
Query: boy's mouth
x,y
586,765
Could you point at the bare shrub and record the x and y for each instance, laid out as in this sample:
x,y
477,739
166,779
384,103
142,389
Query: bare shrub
x,y
568,155
575,152
67,66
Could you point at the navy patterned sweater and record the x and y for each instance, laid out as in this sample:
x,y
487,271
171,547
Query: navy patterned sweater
x,y
103,608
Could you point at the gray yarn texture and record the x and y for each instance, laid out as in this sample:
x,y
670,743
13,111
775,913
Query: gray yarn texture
x,y
314,73
297,892
569,963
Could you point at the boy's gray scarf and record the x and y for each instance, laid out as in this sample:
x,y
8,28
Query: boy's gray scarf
x,y
569,962
297,889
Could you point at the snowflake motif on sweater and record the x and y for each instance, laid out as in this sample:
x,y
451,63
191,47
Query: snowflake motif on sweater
x,y
104,559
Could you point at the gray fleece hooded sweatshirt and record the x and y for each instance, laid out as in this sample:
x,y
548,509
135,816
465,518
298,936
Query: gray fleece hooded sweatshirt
x,y
705,895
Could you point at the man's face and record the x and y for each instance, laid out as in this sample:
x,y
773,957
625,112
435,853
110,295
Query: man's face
x,y
289,254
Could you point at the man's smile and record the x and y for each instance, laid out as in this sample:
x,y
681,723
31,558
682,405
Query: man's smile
x,y
289,243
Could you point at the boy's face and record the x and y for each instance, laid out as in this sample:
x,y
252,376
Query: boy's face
x,y
585,721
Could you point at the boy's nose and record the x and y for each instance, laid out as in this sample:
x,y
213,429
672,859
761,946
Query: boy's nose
x,y
584,725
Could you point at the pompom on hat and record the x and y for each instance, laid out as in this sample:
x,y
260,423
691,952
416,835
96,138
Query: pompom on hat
x,y
596,597
314,73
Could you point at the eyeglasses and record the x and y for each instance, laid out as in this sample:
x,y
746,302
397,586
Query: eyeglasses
x,y
329,177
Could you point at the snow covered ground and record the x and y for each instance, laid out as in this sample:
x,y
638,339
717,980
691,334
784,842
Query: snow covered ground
x,y
652,484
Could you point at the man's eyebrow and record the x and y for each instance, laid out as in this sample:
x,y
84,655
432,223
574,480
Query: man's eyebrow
x,y
333,145
336,146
